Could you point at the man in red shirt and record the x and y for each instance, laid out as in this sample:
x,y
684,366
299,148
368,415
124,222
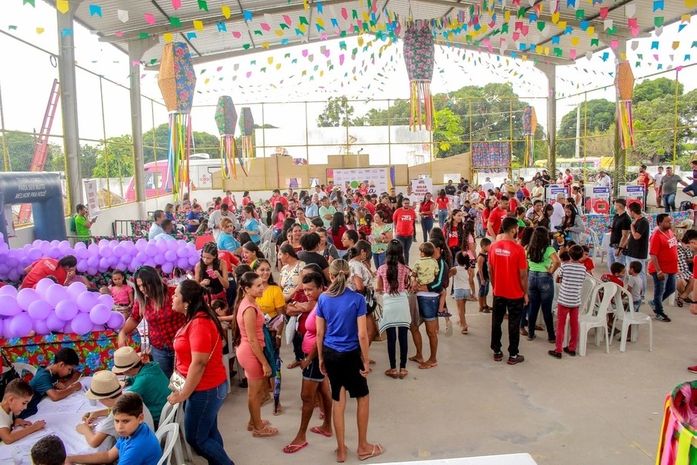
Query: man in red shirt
x,y
496,217
404,219
276,197
508,269
663,263
62,271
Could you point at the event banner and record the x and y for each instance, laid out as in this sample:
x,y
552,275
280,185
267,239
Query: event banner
x,y
379,180
553,190
92,196
600,200
633,194
422,186
491,155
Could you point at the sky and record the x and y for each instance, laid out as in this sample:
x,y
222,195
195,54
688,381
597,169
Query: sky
x,y
26,77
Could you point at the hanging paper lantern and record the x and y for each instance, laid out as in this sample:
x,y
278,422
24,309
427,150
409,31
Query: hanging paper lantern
x,y
177,82
247,133
226,120
419,57
624,82
529,128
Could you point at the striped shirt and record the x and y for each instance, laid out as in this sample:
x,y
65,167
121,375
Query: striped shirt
x,y
572,276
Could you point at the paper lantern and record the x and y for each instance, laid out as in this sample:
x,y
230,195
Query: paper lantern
x,y
624,83
419,51
177,81
529,128
226,120
247,134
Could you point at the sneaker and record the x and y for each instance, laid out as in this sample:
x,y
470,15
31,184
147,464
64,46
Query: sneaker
x,y
554,353
692,369
498,356
516,360
570,352
663,317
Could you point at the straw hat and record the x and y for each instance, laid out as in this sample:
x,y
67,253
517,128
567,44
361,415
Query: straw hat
x,y
125,358
104,385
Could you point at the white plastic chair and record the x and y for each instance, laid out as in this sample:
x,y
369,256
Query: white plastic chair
x,y
168,413
629,318
170,435
20,368
596,317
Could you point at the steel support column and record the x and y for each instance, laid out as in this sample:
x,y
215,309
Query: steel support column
x,y
550,71
68,100
135,53
620,154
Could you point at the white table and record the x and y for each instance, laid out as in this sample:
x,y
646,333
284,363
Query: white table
x,y
507,459
61,419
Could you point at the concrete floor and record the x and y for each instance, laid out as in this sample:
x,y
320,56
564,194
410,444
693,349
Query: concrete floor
x,y
598,409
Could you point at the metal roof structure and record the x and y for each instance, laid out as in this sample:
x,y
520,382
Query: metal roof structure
x,y
549,31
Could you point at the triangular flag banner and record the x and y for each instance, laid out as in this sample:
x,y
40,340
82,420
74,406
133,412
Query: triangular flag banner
x,y
63,6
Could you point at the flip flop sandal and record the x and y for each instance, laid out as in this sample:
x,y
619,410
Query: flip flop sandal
x,y
403,373
392,373
265,432
264,422
464,330
377,450
318,430
293,448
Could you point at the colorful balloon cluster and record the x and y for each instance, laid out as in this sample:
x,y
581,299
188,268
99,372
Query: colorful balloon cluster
x,y
51,307
98,258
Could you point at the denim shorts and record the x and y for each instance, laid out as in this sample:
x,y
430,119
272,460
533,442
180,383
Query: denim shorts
x,y
483,288
428,306
462,294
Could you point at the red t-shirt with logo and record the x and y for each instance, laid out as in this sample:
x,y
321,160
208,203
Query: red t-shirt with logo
x,y
512,204
425,208
404,219
496,218
442,203
43,268
664,245
506,259
370,207
453,237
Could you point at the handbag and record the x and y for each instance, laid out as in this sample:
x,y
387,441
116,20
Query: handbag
x,y
8,375
177,380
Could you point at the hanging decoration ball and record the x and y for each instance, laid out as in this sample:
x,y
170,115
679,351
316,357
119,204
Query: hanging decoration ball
x,y
419,57
226,120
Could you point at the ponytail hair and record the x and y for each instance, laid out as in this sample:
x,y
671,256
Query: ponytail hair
x,y
244,282
339,272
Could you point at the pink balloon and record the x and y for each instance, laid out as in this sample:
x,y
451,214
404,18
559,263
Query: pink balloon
x,y
116,320
86,301
100,314
20,325
8,305
66,310
56,293
53,323
81,324
26,296
39,310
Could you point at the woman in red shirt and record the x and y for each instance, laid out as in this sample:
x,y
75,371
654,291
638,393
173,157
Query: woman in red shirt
x,y
455,231
426,209
338,228
199,358
443,203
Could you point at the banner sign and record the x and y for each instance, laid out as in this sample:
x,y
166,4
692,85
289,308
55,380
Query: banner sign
x,y
553,190
600,200
378,180
491,155
92,196
633,194
422,186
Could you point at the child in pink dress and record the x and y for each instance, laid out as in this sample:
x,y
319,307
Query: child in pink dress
x,y
122,293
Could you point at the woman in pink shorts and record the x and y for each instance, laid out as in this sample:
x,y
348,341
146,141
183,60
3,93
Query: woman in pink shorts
x,y
250,350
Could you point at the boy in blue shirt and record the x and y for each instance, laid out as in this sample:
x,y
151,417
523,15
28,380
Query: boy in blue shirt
x,y
56,381
136,445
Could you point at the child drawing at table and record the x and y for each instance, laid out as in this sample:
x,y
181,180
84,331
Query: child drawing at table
x,y
136,444
98,426
17,395
55,381
122,293
48,450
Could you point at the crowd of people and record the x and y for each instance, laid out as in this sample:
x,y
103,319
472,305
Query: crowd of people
x,y
331,271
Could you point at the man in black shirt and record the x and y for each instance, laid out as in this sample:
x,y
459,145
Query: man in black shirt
x,y
619,233
638,243
309,242
450,189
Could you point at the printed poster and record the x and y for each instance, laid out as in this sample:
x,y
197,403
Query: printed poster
x,y
379,180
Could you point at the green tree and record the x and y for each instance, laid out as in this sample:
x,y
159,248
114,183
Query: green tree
x,y
116,158
156,142
655,88
447,134
596,117
338,112
20,147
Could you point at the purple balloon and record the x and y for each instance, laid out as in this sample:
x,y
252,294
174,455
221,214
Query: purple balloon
x,y
96,328
53,323
181,252
39,310
8,290
56,293
193,260
106,251
167,268
43,285
141,244
92,270
93,261
20,325
8,305
66,310
81,324
76,288
34,254
26,296
86,301
80,246
41,327
170,256
2,323
106,299
100,314
116,320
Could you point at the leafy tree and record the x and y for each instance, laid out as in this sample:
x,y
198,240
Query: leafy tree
x,y
447,133
338,112
116,158
20,147
156,142
597,115
655,88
